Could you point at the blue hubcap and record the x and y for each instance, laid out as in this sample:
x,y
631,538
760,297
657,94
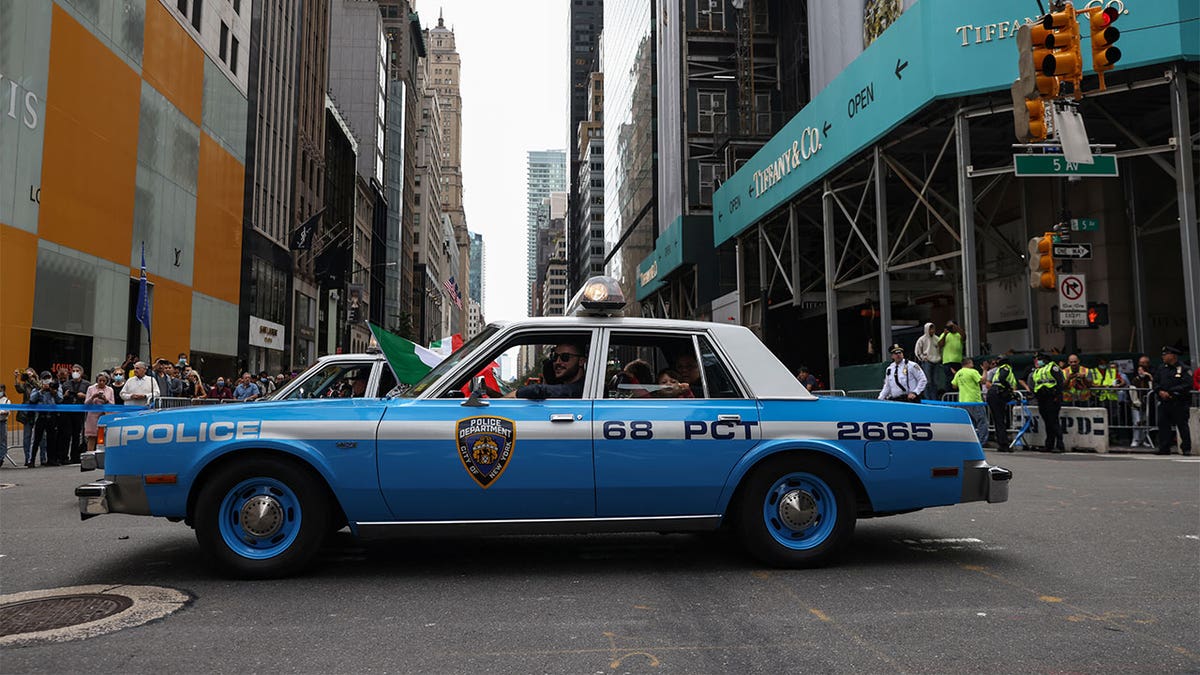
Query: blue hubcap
x,y
260,518
800,511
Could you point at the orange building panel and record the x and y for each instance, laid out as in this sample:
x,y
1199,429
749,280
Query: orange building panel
x,y
18,267
172,62
218,249
171,316
89,155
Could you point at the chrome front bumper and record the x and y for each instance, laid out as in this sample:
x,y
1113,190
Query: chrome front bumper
x,y
115,494
984,482
90,461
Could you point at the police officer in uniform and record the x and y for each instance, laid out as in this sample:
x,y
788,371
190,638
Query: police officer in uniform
x,y
903,380
1048,384
1002,389
1172,384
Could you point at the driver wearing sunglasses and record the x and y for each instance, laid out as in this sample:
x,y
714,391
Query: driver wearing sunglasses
x,y
569,361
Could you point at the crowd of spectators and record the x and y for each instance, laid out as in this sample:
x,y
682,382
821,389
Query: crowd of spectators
x,y
58,438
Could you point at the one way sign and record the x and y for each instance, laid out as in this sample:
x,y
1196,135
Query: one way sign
x,y
1073,251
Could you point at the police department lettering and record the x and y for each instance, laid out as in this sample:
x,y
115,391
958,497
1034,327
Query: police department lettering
x,y
485,425
162,434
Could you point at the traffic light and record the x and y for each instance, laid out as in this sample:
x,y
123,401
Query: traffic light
x,y
1104,37
1031,89
1097,314
1041,263
1029,117
1064,60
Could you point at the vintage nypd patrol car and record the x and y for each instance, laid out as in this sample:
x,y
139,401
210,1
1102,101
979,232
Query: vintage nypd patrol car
x,y
669,426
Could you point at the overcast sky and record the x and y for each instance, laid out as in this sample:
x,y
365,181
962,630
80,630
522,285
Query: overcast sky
x,y
514,90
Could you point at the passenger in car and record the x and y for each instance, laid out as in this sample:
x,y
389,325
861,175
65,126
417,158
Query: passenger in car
x,y
671,386
569,361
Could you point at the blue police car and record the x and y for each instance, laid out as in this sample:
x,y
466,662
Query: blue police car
x,y
586,423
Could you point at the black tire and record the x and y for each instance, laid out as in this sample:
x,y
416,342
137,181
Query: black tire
x,y
817,519
261,518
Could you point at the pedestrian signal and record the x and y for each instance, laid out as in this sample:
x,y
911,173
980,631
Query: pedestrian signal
x,y
1097,314
1105,54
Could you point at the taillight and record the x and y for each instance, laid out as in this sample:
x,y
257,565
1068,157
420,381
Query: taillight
x,y
99,436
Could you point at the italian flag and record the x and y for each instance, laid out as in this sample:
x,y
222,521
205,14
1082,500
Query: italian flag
x,y
409,360
447,345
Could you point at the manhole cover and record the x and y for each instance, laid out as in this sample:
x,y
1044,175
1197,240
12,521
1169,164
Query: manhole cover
x,y
32,616
79,612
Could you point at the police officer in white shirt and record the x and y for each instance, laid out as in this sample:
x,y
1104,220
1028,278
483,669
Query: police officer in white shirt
x,y
903,380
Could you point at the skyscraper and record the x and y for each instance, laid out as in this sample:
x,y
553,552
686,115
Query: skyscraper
x,y
546,173
444,79
586,24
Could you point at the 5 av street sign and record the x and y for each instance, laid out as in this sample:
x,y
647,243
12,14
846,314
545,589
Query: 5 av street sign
x,y
1078,251
1026,166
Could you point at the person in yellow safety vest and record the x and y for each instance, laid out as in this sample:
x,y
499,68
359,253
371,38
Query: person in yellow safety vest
x,y
1078,389
1106,377
1048,384
1003,388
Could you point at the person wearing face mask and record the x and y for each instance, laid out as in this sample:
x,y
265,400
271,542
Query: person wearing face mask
x,y
117,383
46,426
74,392
220,390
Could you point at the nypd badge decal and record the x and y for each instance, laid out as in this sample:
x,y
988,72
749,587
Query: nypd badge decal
x,y
485,444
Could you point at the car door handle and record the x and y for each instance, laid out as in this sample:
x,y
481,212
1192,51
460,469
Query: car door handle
x,y
562,417
729,418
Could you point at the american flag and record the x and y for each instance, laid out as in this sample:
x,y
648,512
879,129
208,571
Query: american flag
x,y
455,294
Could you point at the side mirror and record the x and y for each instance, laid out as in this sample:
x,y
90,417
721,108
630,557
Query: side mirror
x,y
478,391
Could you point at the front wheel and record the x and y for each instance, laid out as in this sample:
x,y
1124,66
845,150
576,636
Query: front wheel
x,y
796,512
261,518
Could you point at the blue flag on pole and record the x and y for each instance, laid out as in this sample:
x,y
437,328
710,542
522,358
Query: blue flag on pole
x,y
143,301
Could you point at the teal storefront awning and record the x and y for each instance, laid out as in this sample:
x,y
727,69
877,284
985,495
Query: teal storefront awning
x,y
686,241
936,49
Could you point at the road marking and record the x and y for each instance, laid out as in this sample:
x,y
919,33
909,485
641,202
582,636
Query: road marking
x,y
1109,619
1049,598
1186,536
819,614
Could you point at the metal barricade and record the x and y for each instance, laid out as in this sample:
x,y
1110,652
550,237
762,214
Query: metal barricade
x,y
828,392
862,393
165,402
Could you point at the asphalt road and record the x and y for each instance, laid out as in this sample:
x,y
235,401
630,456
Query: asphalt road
x,y
1092,566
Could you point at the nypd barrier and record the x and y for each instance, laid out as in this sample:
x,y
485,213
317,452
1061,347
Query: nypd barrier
x,y
1083,428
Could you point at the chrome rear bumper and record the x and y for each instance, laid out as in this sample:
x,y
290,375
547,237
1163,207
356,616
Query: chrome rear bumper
x,y
984,482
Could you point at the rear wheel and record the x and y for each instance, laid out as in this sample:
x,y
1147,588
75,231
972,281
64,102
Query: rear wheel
x,y
262,518
796,512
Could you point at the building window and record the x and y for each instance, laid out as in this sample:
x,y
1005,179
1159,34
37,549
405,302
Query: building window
x,y
233,52
710,112
197,10
762,114
711,176
223,50
710,15
182,5
237,7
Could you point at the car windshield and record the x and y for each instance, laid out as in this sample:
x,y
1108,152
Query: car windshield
x,y
448,364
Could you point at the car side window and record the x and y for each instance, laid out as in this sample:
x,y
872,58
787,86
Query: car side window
x,y
335,380
387,381
525,358
716,374
652,365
